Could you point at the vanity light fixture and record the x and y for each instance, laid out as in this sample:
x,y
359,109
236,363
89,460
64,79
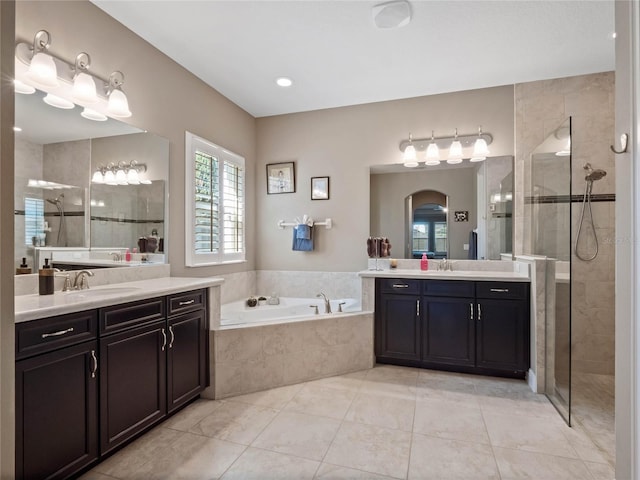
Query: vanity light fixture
x,y
456,154
409,155
433,153
455,150
67,83
121,174
480,148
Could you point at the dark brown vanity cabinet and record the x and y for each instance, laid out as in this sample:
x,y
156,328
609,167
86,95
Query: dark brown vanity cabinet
x,y
88,382
467,326
56,396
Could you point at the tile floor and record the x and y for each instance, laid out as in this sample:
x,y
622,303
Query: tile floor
x,y
387,422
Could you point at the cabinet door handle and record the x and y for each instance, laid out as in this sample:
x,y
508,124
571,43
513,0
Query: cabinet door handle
x,y
188,302
164,339
417,308
471,310
173,336
400,285
500,290
57,334
94,368
479,312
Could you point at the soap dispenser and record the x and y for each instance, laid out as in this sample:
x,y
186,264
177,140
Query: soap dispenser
x,y
424,263
23,269
45,279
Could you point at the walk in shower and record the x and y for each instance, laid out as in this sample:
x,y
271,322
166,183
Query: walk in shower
x,y
570,221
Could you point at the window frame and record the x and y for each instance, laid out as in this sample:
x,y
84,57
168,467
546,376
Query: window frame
x,y
195,143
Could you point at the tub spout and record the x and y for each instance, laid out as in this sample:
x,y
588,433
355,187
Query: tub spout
x,y
327,303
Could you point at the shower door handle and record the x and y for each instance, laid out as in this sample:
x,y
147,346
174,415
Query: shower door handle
x,y
624,141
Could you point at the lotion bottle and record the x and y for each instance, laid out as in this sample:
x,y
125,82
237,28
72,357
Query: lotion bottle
x,y
424,263
23,269
127,255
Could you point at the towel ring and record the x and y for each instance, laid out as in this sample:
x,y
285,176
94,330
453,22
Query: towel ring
x,y
624,139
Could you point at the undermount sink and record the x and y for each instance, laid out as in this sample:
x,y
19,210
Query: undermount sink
x,y
101,291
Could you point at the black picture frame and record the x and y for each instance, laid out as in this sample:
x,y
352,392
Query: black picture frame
x,y
319,188
281,178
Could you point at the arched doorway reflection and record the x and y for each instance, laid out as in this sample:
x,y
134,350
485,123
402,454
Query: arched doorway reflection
x,y
426,225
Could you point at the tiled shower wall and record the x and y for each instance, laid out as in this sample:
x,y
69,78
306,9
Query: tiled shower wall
x,y
540,107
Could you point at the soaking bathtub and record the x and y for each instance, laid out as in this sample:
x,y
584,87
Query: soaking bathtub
x,y
268,346
289,310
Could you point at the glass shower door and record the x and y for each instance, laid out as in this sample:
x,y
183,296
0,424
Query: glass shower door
x,y
548,206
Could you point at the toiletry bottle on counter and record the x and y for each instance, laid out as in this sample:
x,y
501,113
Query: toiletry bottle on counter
x,y
127,256
45,279
23,269
424,263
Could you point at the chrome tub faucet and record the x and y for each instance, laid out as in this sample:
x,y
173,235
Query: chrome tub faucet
x,y
327,303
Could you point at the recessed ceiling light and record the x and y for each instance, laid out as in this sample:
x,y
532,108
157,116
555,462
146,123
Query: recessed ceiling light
x,y
284,82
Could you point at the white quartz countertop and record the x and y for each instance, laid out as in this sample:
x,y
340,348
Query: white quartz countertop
x,y
481,275
34,306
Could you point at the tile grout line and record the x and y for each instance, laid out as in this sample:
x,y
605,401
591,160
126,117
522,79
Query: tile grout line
x,y
484,422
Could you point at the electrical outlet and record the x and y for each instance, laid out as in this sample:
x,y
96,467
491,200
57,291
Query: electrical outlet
x,y
465,246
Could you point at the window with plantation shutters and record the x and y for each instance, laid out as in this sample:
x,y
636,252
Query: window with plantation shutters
x,y
215,204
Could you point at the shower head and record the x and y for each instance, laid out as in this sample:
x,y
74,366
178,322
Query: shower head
x,y
56,201
595,175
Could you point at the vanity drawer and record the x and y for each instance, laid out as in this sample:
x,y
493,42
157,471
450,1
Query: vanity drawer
x,y
46,335
186,302
510,290
399,285
119,317
449,288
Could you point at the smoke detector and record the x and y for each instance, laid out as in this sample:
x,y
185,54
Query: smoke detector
x,y
393,14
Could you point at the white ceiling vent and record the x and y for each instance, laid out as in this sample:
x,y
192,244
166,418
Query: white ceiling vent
x,y
393,14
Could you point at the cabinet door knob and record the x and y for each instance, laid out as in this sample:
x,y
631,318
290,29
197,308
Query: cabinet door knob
x,y
94,368
164,339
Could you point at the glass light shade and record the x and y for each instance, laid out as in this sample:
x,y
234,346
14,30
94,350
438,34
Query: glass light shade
x,y
433,154
84,89
132,177
43,71
93,115
97,177
480,148
409,154
455,153
110,178
118,104
21,87
121,177
145,182
58,102
566,151
411,164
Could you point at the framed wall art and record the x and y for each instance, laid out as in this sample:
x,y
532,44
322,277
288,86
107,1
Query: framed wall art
x,y
319,188
281,177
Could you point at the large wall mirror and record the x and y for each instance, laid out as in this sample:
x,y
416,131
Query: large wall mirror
x,y
462,211
61,212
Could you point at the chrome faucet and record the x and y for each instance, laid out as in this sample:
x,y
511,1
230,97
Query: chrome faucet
x,y
117,256
445,265
81,282
327,303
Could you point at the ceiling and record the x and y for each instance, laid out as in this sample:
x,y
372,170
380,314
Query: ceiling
x,y
336,56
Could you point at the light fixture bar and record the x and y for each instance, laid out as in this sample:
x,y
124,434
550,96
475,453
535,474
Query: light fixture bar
x,y
421,144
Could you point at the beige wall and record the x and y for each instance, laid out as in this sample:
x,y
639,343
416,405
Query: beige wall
x,y
342,143
165,100
7,269
388,193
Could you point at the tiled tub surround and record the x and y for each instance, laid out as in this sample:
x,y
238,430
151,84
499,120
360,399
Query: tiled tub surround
x,y
250,358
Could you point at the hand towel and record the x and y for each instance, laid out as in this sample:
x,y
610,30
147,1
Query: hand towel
x,y
302,244
303,232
